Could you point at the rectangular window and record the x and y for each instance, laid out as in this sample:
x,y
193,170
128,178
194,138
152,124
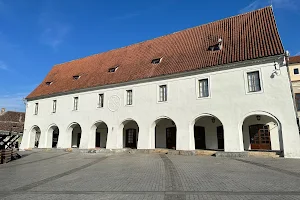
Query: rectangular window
x,y
297,98
253,81
296,71
75,103
129,97
203,88
163,93
54,106
101,101
36,108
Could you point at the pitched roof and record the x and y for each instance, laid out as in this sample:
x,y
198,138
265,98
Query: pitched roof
x,y
12,121
247,36
294,59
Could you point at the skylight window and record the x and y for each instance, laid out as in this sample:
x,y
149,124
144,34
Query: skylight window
x,y
48,82
113,69
218,46
156,61
76,77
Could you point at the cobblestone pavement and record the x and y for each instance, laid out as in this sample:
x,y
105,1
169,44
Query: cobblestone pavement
x,y
77,176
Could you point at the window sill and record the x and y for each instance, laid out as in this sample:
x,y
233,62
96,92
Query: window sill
x,y
162,101
200,98
128,105
258,92
99,107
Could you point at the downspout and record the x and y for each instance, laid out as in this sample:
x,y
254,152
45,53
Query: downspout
x,y
286,57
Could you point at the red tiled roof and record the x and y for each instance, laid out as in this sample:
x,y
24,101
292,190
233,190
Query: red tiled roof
x,y
245,37
294,59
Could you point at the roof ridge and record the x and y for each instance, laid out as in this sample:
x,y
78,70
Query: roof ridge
x,y
57,65
248,36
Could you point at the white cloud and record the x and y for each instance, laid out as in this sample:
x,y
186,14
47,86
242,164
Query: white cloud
x,y
298,54
277,4
3,66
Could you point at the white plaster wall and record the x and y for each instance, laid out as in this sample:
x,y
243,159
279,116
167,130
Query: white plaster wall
x,y
228,101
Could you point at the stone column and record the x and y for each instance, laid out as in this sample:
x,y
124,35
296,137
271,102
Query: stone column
x,y
233,138
85,135
145,139
184,136
289,134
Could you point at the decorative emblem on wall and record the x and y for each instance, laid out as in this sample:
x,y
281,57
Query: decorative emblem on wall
x,y
114,103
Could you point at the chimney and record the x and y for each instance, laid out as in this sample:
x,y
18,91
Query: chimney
x,y
2,111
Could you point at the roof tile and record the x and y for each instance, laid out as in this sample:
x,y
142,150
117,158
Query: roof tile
x,y
294,59
245,37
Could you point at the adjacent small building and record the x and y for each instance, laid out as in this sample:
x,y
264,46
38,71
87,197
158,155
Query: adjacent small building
x,y
223,85
294,68
11,123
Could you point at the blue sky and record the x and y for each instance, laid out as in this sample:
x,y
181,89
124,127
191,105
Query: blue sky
x,y
36,34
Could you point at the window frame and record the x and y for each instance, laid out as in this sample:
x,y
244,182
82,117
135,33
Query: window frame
x,y
75,108
167,92
297,71
156,59
99,97
246,81
36,108
126,97
197,87
54,106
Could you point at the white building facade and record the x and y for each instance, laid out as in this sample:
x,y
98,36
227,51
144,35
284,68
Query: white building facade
x,y
233,107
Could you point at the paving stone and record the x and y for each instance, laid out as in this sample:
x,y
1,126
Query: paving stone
x,y
132,174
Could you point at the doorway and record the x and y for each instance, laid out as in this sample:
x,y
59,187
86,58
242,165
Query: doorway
x,y
171,137
131,141
220,136
97,140
260,136
199,134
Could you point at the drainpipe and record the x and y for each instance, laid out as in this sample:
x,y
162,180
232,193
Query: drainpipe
x,y
286,56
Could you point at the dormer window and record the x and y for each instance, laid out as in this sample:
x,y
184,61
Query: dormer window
x,y
113,69
48,82
76,77
217,46
156,61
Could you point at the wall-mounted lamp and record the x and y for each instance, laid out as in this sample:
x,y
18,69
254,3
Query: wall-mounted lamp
x,y
258,117
213,120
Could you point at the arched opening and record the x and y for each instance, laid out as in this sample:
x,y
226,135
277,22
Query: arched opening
x,y
53,133
165,133
100,129
75,131
130,134
208,133
35,135
261,132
